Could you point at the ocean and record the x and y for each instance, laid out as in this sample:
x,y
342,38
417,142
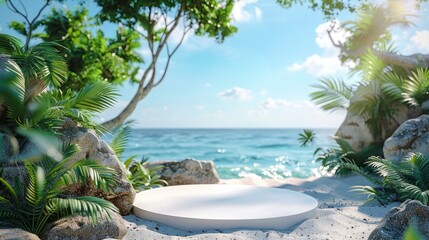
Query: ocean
x,y
237,153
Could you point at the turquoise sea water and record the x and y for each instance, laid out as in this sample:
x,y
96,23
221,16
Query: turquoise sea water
x,y
268,153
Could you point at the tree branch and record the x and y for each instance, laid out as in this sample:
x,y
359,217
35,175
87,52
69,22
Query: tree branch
x,y
405,61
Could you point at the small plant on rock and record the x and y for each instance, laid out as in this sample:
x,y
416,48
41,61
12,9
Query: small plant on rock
x,y
36,198
141,177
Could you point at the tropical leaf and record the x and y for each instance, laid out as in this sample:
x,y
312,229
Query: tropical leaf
x,y
306,137
10,45
94,208
416,88
95,97
85,170
121,134
332,94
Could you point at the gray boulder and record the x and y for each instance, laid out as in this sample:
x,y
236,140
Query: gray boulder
x,y
397,220
411,136
8,147
94,148
17,234
188,171
79,228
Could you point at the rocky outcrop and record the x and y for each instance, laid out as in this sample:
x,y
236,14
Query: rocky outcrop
x,y
358,135
188,171
94,148
397,220
79,228
355,132
91,147
411,136
17,234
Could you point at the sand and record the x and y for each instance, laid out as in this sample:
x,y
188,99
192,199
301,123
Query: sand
x,y
341,214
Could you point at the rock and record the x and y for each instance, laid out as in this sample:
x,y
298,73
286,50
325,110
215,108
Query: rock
x,y
358,135
188,171
94,148
17,234
8,147
411,136
79,228
397,220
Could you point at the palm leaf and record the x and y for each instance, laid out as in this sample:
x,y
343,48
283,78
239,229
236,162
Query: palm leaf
x,y
332,95
121,135
95,97
84,170
416,88
10,45
94,208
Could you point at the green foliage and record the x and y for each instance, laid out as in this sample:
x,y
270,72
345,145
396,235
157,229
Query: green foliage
x,y
335,159
408,179
38,63
91,56
330,8
27,110
307,137
209,17
140,177
143,178
332,94
37,199
121,134
372,24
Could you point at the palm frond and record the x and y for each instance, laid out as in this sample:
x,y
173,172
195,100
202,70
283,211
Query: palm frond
x,y
95,97
12,87
54,67
392,84
416,88
332,94
10,45
370,66
94,208
85,170
121,135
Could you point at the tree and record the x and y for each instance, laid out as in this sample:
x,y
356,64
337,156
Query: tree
x,y
93,57
392,84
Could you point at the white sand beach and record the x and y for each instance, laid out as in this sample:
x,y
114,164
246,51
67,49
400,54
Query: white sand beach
x,y
341,214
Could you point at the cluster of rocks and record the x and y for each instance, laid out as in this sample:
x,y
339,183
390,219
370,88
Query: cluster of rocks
x,y
411,136
122,194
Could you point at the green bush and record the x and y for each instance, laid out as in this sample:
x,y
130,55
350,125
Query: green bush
x,y
37,197
408,179
332,159
140,177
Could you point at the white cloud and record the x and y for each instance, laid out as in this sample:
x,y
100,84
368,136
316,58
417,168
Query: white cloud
x,y
258,13
318,65
241,13
421,40
200,107
327,63
236,93
271,103
207,85
338,35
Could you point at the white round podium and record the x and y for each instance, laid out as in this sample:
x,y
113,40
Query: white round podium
x,y
218,206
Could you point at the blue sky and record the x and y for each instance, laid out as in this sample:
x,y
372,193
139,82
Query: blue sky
x,y
260,77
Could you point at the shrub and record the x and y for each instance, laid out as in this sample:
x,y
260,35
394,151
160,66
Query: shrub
x,y
408,179
140,177
36,198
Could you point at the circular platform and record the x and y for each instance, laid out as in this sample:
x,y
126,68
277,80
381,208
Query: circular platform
x,y
218,206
